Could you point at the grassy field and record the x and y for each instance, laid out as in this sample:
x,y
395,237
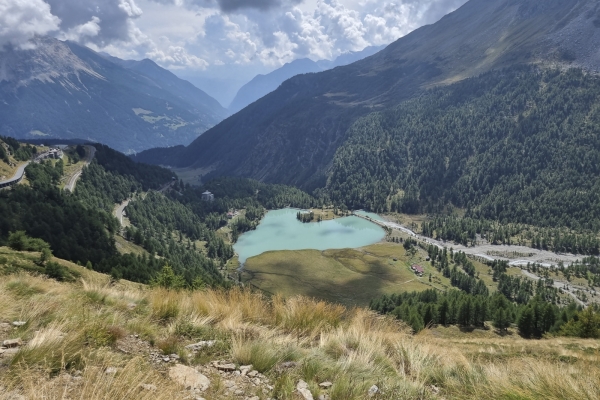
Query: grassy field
x,y
350,277
98,339
190,175
126,247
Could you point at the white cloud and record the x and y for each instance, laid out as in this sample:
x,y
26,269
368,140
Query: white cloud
x,y
198,34
22,20
82,32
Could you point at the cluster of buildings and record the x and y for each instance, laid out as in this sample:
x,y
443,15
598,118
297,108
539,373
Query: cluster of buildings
x,y
53,153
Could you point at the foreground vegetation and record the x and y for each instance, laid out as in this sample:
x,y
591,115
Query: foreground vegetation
x,y
75,333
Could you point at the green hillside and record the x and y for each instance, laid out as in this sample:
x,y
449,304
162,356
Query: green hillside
x,y
518,145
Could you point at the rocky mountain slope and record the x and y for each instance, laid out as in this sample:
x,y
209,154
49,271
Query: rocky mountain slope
x,y
63,90
262,85
292,134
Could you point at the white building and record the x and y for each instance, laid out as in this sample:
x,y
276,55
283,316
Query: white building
x,y
208,196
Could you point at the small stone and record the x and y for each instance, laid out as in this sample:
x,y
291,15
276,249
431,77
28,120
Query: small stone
x,y
252,374
287,365
229,384
226,367
238,392
325,385
149,387
19,323
373,390
302,388
324,397
199,345
110,371
189,377
10,352
245,369
254,398
174,356
166,359
12,343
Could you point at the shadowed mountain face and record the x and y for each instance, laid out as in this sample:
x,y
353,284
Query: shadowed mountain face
x,y
63,90
291,135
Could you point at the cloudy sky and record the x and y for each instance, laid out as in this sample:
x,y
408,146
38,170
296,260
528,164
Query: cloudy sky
x,y
219,39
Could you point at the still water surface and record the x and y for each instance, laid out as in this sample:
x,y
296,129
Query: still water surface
x,y
280,230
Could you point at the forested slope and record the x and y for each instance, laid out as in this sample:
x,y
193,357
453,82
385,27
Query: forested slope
x,y
518,145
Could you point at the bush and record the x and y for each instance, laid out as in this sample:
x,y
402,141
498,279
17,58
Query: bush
x,y
19,241
56,271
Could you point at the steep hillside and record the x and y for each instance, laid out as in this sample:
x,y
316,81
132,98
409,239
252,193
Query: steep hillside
x,y
518,145
265,84
167,81
96,338
262,85
63,90
292,134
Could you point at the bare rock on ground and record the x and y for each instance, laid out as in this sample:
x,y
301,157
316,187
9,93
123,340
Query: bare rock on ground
x,y
189,377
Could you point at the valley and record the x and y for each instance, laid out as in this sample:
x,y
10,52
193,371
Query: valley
x,y
414,221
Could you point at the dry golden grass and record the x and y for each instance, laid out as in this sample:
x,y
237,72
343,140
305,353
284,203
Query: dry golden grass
x,y
78,327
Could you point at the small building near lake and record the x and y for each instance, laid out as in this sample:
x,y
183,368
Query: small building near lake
x,y
418,270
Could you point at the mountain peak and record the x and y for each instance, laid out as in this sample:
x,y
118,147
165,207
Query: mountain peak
x,y
50,61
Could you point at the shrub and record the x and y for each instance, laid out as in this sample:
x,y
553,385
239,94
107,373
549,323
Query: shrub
x,y
56,271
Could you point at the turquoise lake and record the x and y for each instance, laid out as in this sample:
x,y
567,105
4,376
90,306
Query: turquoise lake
x,y
280,230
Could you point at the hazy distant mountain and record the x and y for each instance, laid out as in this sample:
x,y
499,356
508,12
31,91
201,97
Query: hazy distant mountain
x,y
64,90
262,85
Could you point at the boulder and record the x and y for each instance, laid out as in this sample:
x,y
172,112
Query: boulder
x,y
302,388
226,367
189,377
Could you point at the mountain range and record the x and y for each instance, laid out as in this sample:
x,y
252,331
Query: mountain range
x,y
262,85
64,90
292,134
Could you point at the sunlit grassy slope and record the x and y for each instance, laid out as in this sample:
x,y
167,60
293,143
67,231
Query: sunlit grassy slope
x,y
87,326
350,277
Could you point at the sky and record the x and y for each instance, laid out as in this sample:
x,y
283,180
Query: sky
x,y
219,42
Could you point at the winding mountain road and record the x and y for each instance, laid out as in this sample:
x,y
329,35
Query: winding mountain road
x,y
70,186
16,178
119,209
523,254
